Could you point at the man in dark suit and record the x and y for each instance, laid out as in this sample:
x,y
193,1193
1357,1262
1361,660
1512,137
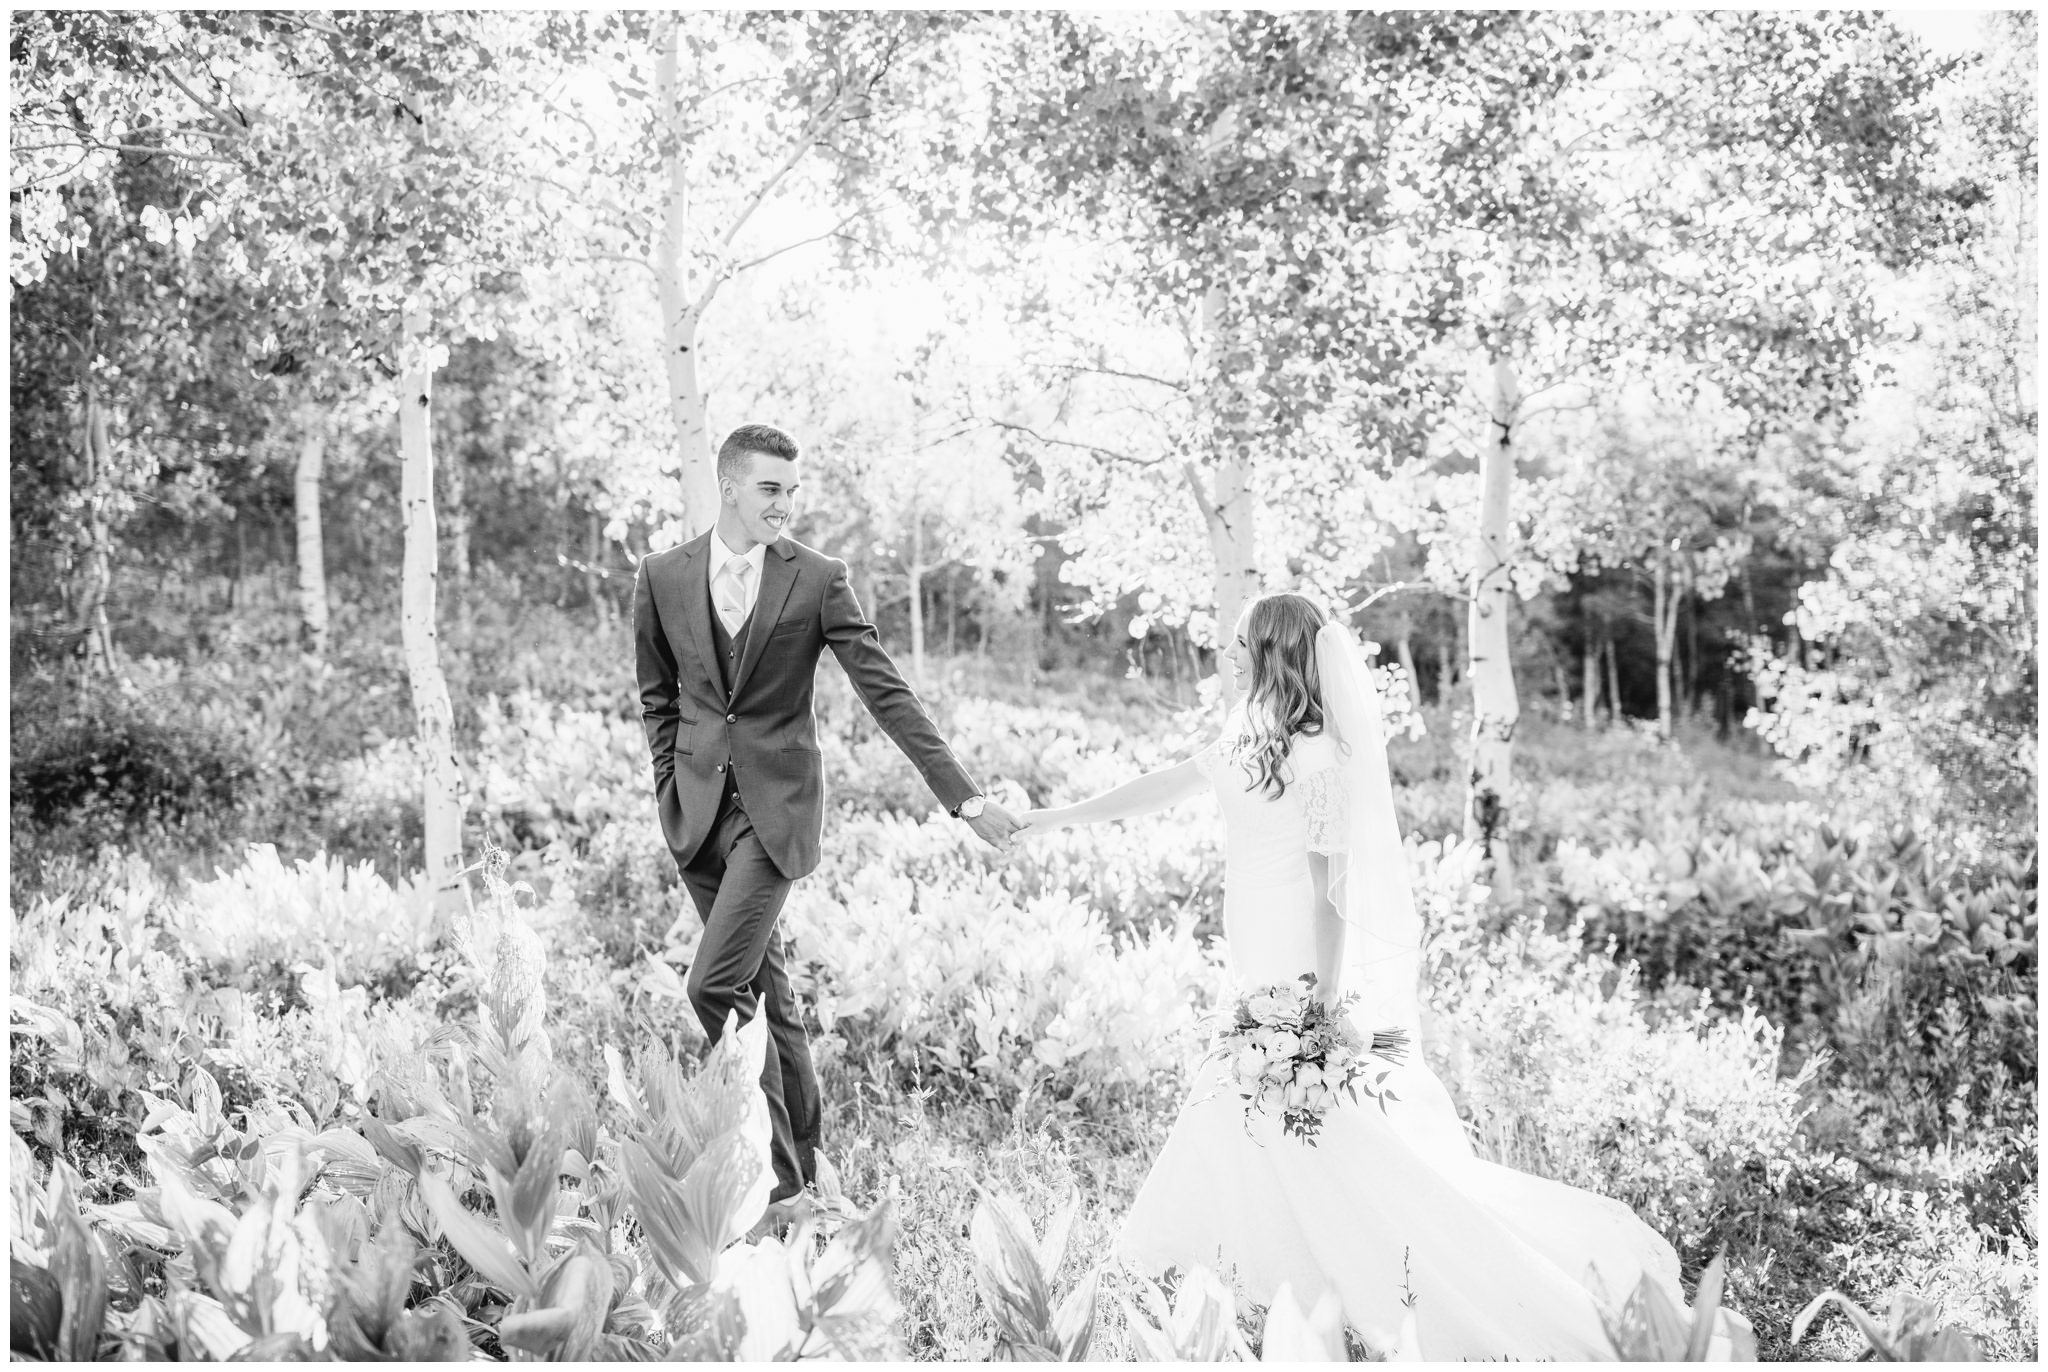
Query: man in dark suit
x,y
727,631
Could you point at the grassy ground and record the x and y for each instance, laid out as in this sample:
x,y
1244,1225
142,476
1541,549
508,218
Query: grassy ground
x,y
1887,1218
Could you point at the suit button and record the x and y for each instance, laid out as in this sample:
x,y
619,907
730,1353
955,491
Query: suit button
x,y
732,719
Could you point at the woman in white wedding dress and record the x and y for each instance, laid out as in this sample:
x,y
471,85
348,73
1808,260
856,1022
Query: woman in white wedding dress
x,y
1392,1211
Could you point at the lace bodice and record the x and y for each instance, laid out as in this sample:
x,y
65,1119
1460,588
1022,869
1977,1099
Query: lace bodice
x,y
1312,799
1268,894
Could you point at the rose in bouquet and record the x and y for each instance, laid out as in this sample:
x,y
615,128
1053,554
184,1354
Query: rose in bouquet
x,y
1288,1053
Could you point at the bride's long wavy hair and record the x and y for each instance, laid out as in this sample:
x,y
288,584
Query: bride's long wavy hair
x,y
1285,695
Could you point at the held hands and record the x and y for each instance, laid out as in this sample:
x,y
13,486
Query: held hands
x,y
996,827
1038,823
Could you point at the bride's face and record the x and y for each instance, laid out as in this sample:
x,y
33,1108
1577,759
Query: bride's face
x,y
1239,657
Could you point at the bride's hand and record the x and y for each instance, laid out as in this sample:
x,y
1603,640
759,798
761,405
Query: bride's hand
x,y
1037,823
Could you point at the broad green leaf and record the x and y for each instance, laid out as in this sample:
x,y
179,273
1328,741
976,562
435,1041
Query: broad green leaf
x,y
1292,1336
391,1146
1706,1302
35,1306
1149,1342
80,1270
1052,1249
1204,1317
203,1324
542,1332
726,1189
528,1205
758,1276
481,1245
1007,1273
432,1333
1649,1327
1073,1325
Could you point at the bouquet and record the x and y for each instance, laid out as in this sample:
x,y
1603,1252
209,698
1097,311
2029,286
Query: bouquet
x,y
1286,1051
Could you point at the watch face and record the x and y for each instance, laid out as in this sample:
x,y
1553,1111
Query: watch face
x,y
971,807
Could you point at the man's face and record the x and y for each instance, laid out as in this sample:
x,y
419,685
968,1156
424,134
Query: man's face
x,y
764,498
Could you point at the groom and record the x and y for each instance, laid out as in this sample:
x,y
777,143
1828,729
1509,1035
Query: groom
x,y
727,632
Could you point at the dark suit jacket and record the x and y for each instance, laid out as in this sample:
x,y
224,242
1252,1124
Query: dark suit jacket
x,y
765,730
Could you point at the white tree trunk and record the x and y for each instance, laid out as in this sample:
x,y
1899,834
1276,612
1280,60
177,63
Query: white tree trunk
x,y
1227,508
681,313
1405,655
96,570
455,499
953,613
917,570
1231,518
1494,707
1613,685
433,714
593,563
1589,681
1664,617
306,510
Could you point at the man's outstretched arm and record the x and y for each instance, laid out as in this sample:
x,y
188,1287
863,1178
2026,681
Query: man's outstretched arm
x,y
897,709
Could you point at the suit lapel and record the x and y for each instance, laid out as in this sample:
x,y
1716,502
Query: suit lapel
x,y
696,589
778,574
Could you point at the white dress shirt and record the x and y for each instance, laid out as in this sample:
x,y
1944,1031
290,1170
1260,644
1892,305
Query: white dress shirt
x,y
723,562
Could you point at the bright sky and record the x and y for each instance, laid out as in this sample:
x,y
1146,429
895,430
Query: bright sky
x,y
1946,31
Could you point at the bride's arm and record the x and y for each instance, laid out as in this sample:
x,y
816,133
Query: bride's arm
x,y
1152,791
1329,929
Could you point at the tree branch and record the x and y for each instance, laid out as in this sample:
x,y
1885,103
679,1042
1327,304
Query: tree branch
x,y
717,91
836,231
1202,501
57,176
1535,410
1383,592
616,257
234,127
297,20
813,129
1075,367
1109,453
139,149
589,130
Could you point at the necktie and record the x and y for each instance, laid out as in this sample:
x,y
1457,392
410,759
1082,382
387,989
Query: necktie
x,y
732,605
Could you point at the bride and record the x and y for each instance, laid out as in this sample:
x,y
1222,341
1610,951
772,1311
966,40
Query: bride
x,y
1391,1211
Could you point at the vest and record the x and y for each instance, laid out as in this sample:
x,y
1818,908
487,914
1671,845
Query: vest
x,y
727,647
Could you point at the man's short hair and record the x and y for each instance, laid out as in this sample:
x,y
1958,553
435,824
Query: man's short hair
x,y
754,438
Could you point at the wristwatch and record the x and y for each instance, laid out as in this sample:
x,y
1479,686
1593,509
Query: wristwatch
x,y
971,807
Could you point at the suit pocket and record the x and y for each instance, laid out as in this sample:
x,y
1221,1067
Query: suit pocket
x,y
788,626
684,729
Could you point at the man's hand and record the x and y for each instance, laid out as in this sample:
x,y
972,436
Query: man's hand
x,y
995,826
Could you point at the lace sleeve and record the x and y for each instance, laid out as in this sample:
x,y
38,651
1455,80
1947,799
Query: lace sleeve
x,y
1205,760
1323,804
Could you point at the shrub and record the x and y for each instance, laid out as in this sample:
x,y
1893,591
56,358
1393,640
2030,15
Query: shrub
x,y
316,909
269,1232
628,886
374,813
1560,1074
130,761
953,976
548,772
1906,963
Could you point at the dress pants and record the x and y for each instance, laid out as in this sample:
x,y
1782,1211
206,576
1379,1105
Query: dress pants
x,y
739,966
